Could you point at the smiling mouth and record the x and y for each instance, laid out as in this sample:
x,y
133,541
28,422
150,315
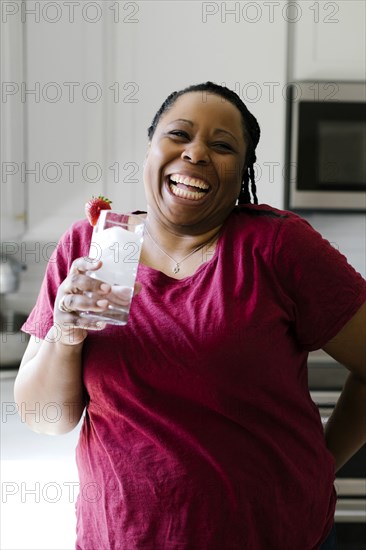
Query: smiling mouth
x,y
187,188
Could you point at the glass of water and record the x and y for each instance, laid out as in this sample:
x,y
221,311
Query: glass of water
x,y
117,241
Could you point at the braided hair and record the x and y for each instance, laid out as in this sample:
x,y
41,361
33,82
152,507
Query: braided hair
x,y
250,127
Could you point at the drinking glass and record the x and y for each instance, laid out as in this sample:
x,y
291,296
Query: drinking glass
x,y
117,241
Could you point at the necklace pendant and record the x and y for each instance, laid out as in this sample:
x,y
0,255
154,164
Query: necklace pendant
x,y
176,269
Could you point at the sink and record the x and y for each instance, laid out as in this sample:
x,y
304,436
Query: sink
x,y
13,342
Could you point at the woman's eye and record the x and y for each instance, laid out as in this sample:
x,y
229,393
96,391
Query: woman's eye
x,y
224,146
179,133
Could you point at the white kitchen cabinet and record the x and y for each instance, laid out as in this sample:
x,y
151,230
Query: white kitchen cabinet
x,y
64,97
12,131
328,40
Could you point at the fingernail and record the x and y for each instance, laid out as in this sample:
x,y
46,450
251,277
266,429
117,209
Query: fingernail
x,y
102,303
104,287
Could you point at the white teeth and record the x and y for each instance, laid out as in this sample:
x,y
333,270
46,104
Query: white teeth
x,y
185,194
192,182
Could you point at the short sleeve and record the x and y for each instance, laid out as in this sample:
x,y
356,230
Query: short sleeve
x,y
325,290
73,244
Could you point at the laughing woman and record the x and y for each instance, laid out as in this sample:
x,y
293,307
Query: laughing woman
x,y
199,431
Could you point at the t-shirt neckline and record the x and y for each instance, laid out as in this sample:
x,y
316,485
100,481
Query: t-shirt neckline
x,y
156,273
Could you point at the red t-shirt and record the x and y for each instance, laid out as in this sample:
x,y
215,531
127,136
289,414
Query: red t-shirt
x,y
200,433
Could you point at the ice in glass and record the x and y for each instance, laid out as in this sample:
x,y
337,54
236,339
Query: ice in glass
x,y
117,241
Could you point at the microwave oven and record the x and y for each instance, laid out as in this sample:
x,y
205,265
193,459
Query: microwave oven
x,y
326,146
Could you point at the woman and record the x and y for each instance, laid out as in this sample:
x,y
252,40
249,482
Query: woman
x,y
199,431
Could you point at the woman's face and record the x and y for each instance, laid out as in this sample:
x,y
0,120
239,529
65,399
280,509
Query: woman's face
x,y
194,163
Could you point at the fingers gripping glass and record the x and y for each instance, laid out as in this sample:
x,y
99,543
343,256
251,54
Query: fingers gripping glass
x,y
117,241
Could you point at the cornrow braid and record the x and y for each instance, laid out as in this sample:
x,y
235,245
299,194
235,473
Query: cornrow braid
x,y
251,131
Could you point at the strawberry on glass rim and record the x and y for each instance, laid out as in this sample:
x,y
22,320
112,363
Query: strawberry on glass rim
x,y
94,206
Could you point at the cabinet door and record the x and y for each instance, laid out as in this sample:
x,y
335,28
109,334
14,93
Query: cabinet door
x,y
65,102
329,40
12,130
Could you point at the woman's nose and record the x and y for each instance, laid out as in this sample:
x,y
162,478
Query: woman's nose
x,y
196,152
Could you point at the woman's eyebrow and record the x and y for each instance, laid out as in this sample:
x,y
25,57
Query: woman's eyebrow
x,y
216,130
182,120
222,131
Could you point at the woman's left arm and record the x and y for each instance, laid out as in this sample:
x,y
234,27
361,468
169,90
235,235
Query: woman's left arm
x,y
345,431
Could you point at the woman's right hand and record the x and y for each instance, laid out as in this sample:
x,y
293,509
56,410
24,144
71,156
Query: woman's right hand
x,y
77,293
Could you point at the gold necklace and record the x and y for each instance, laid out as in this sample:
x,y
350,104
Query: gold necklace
x,y
177,265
